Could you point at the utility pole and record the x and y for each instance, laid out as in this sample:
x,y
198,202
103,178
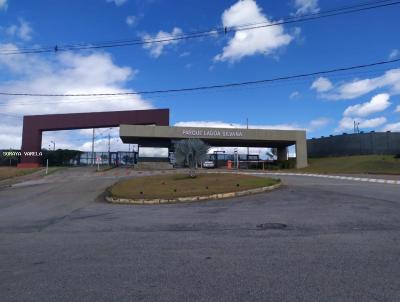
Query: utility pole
x,y
93,148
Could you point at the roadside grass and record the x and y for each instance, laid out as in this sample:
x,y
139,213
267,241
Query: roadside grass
x,y
172,186
11,172
360,164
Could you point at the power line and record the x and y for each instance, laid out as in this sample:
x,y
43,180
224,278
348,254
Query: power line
x,y
292,82
210,32
208,87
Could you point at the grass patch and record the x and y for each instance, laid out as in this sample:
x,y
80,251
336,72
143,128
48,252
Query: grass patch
x,y
360,164
11,172
172,186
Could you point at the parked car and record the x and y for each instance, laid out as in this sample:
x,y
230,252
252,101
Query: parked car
x,y
208,164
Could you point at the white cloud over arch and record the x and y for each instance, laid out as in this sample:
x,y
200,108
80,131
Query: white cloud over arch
x,y
263,40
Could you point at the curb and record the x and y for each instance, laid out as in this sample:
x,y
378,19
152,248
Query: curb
x,y
361,179
192,198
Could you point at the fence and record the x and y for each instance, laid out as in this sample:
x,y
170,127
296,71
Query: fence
x,y
380,143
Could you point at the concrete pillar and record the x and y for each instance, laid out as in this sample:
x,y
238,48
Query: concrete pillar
x,y
282,154
301,153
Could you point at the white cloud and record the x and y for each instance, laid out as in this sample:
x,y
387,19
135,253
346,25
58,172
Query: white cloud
x,y
3,4
11,132
347,123
185,54
392,127
318,123
356,88
131,20
395,53
117,2
220,124
397,109
23,30
157,48
23,64
294,94
264,40
67,73
377,104
306,7
322,84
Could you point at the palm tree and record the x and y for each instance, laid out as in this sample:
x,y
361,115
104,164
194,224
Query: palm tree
x,y
190,152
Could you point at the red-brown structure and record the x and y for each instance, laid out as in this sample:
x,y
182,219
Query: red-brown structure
x,y
34,125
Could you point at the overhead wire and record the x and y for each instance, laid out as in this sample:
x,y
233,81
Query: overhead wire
x,y
210,32
209,87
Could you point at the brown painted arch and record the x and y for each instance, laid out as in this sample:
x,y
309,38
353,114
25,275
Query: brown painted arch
x,y
34,125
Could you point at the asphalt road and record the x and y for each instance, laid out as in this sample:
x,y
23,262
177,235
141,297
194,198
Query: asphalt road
x,y
60,242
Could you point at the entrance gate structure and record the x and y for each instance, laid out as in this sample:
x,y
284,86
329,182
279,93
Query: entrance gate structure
x,y
34,125
150,128
166,136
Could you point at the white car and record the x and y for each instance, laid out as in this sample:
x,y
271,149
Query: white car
x,y
208,164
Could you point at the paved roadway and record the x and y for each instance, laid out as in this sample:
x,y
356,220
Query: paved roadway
x,y
60,242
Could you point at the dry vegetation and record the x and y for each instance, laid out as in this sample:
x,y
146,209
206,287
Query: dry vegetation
x,y
180,185
10,172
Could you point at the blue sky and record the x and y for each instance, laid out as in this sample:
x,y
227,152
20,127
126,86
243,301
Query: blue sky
x,y
321,105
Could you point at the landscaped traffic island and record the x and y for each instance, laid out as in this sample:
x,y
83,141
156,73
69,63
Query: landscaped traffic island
x,y
171,188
